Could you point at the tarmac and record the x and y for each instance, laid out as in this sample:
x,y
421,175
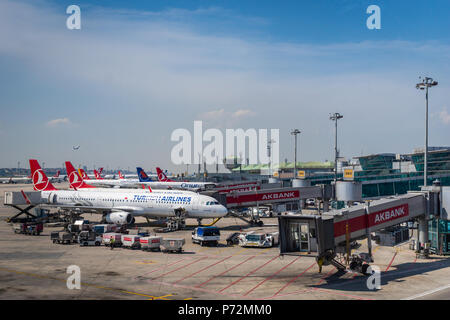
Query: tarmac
x,y
32,267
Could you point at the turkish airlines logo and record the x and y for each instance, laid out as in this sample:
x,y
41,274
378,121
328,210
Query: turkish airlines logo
x,y
39,181
161,176
73,178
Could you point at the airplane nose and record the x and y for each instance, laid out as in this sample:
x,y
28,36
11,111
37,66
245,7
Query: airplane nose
x,y
224,210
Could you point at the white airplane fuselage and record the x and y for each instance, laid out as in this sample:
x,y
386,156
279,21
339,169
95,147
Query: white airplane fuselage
x,y
159,203
152,184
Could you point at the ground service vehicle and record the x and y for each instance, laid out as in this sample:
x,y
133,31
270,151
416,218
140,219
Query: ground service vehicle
x,y
89,238
206,236
233,238
258,239
62,237
34,229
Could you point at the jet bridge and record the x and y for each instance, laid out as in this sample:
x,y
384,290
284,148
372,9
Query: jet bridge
x,y
336,231
276,195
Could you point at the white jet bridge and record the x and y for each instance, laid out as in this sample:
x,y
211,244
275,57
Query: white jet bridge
x,y
335,232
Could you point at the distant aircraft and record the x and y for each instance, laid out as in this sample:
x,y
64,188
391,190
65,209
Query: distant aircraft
x,y
121,206
76,147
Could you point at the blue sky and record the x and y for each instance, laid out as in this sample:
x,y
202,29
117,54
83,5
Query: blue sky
x,y
138,70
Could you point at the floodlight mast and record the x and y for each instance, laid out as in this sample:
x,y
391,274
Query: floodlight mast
x,y
295,132
424,85
335,117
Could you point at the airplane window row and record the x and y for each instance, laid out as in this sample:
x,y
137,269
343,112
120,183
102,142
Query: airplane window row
x,y
210,203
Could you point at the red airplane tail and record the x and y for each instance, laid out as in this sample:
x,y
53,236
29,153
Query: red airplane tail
x,y
83,174
100,170
162,176
75,180
120,175
40,180
57,174
97,175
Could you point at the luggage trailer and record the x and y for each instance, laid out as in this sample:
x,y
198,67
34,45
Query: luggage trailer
x,y
335,232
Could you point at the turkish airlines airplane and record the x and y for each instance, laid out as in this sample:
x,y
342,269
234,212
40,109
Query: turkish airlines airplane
x,y
121,206
167,183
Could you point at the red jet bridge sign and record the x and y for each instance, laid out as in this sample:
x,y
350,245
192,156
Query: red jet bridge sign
x,y
372,219
379,217
263,197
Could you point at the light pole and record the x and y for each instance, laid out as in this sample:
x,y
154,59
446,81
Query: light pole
x,y
335,117
269,147
425,84
295,132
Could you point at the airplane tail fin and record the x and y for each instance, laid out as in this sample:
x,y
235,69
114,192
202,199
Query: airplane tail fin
x,y
120,175
100,170
162,176
143,177
75,180
40,180
97,175
57,174
83,174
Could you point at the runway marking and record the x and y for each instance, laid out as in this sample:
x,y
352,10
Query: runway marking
x,y
251,272
84,284
271,276
183,266
211,265
419,295
220,274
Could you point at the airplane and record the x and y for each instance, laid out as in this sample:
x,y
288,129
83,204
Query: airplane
x,y
187,185
16,180
57,177
123,205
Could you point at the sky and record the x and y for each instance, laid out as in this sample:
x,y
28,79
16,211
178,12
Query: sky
x,y
137,70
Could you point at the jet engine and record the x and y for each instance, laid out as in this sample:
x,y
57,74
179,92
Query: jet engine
x,y
119,217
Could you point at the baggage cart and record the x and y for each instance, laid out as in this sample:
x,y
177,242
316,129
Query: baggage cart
x,y
112,235
131,241
150,243
172,244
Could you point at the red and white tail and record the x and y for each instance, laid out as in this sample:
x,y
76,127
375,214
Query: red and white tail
x,y
57,174
100,170
75,180
97,175
161,176
39,178
83,174
120,175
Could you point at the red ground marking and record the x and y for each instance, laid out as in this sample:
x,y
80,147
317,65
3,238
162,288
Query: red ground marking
x,y
241,278
237,265
292,280
183,266
395,254
164,266
211,265
323,278
270,277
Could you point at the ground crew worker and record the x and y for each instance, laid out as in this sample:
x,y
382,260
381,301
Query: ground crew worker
x,y
112,242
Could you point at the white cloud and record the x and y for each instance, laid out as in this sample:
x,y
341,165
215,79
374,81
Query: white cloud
x,y
444,116
243,113
57,122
